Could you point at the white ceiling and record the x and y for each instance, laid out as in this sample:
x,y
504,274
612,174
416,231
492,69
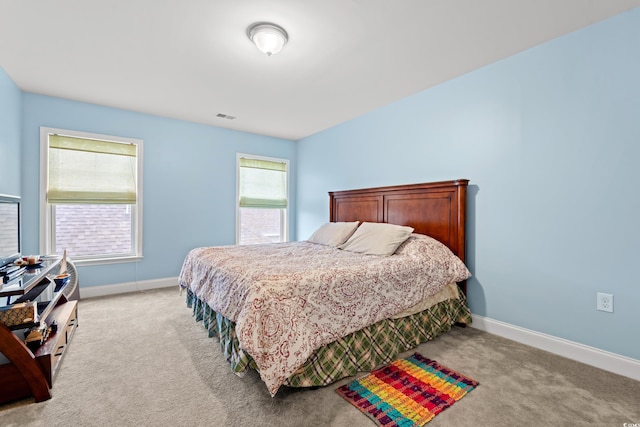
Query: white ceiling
x,y
191,59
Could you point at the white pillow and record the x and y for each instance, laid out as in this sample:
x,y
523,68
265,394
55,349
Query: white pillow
x,y
375,238
333,233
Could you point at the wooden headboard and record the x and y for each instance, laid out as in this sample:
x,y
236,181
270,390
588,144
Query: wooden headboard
x,y
437,209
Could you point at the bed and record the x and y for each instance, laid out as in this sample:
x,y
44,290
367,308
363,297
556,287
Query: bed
x,y
306,314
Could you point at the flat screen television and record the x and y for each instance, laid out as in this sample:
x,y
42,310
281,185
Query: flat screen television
x,y
10,241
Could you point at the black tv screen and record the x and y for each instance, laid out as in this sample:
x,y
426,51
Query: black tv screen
x,y
9,229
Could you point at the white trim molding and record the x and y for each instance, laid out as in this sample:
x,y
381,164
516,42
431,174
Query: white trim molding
x,y
121,288
602,359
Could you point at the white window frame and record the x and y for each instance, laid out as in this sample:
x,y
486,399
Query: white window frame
x,y
47,217
284,219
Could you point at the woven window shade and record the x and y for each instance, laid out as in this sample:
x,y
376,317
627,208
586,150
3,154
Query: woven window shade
x,y
263,184
89,171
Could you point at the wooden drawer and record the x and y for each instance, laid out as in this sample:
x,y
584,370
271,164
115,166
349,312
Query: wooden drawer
x,y
50,354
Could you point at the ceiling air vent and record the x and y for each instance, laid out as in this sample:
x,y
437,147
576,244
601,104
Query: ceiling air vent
x,y
225,116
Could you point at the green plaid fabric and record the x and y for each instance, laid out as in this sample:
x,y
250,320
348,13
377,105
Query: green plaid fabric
x,y
224,330
361,351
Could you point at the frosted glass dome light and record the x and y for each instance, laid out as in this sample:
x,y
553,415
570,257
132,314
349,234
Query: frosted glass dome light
x,y
269,38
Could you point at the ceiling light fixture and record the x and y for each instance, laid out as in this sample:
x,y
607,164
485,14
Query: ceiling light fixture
x,y
269,38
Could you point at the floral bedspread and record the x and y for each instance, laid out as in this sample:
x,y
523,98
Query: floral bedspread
x,y
289,299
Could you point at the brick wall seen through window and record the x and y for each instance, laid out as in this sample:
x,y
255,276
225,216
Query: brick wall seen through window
x,y
87,230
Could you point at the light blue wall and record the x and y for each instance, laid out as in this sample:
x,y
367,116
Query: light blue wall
x,y
10,108
550,139
189,181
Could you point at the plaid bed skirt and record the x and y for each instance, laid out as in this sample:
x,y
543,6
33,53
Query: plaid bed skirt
x,y
360,351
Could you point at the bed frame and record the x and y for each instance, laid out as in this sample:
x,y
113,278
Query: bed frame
x,y
437,209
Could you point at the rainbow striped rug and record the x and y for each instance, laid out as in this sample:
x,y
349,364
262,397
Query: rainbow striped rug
x,y
407,392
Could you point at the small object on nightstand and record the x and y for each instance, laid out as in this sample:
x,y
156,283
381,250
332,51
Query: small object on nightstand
x,y
9,275
18,314
61,280
36,336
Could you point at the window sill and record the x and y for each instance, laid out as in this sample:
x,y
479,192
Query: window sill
x,y
104,261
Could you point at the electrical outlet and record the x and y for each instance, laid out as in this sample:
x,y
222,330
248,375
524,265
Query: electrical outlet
x,y
605,302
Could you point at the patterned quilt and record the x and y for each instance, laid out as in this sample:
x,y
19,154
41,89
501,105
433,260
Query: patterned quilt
x,y
289,299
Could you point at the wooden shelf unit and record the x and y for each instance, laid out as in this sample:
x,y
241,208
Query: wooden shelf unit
x,y
30,373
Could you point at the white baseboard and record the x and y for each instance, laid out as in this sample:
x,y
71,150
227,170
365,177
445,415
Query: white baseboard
x,y
121,288
602,359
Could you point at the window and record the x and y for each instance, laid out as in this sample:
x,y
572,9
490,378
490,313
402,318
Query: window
x,y
91,196
262,200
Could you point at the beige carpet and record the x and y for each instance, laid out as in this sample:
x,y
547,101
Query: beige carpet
x,y
141,360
